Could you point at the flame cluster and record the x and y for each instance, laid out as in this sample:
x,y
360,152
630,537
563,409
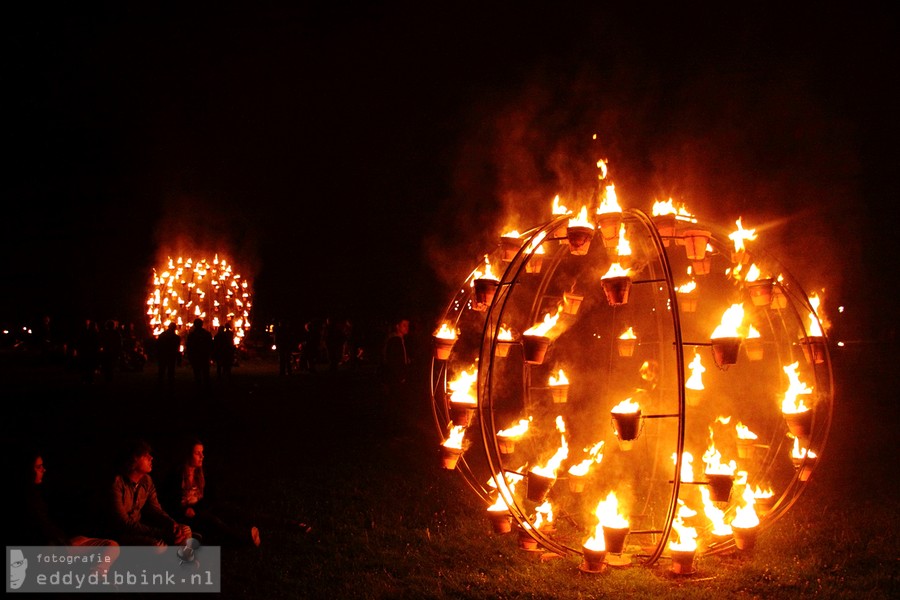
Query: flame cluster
x,y
186,289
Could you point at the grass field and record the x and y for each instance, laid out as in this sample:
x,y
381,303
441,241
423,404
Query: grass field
x,y
362,470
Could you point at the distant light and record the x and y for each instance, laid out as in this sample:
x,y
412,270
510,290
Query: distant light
x,y
841,344
840,309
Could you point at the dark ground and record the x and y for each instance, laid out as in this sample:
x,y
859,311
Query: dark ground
x,y
287,449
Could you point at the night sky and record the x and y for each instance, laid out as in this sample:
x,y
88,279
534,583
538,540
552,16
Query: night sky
x,y
359,160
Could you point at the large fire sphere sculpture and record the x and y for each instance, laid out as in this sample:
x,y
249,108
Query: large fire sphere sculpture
x,y
185,289
631,386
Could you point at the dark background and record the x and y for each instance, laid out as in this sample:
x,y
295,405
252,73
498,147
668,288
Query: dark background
x,y
359,160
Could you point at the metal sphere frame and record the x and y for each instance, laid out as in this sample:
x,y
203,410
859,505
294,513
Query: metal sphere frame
x,y
656,277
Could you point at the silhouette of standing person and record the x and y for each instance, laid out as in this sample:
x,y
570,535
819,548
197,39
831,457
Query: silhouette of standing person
x,y
223,352
284,345
198,347
110,349
87,351
168,355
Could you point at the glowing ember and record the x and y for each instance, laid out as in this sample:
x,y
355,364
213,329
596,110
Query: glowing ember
x,y
731,321
626,406
792,403
187,289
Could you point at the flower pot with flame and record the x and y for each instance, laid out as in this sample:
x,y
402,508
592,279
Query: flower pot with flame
x,y
616,289
443,346
535,348
683,561
485,289
501,520
594,560
745,537
626,346
571,303
695,241
813,348
462,413
526,542
687,303
779,298
450,456
799,423
503,347
507,444
764,504
720,486
577,483
760,291
537,486
745,447
627,424
805,465
702,267
665,225
509,246
579,237
753,347
559,393
725,351
609,224
614,537
535,263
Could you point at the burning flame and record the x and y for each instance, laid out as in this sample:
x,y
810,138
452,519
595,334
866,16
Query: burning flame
x,y
745,516
695,381
628,334
505,334
187,289
616,270
713,459
715,514
506,487
455,440
752,332
815,323
687,465
687,536
535,244
731,321
512,234
559,379
743,432
688,287
603,165
487,274
791,403
623,248
581,220
740,234
461,387
608,513
626,406
446,332
543,515
517,430
798,453
559,209
610,202
552,466
595,455
543,328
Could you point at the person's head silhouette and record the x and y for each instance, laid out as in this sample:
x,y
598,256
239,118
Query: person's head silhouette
x,y
18,564
198,323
